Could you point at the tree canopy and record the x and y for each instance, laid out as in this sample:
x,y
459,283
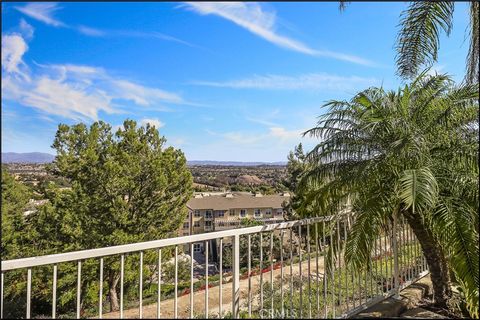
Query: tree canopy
x,y
15,198
127,187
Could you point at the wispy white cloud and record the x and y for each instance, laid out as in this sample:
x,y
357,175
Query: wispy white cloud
x,y
274,134
75,69
284,134
177,141
153,122
242,137
13,49
268,119
268,144
45,12
72,91
91,31
26,29
147,35
260,121
144,34
56,96
42,11
141,95
210,132
252,17
311,81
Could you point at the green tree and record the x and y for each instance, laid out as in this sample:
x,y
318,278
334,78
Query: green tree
x,y
126,188
418,41
15,198
15,239
413,152
19,240
255,245
183,271
254,252
296,167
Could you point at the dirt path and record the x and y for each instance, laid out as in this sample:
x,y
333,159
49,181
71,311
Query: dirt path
x,y
167,306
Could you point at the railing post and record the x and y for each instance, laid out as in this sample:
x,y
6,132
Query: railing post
x,y
395,256
236,276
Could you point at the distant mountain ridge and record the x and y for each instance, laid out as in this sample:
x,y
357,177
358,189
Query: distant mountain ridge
x,y
233,163
41,157
29,157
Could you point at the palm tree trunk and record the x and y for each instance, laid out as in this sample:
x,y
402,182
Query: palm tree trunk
x,y
436,260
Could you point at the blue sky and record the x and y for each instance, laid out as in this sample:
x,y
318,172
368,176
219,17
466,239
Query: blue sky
x,y
232,81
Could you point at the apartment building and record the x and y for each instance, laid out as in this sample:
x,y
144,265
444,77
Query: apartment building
x,y
217,211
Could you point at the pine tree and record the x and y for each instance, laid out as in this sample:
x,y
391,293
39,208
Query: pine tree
x,y
127,187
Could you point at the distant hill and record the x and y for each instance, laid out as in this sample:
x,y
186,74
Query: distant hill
x,y
40,157
233,163
30,157
246,179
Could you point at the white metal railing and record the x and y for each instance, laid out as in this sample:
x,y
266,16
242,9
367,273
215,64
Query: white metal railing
x,y
332,289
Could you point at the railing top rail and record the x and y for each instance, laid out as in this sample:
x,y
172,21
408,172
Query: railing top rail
x,y
155,244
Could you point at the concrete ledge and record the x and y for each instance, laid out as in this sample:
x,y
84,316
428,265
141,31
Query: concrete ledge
x,y
420,313
416,291
388,308
392,308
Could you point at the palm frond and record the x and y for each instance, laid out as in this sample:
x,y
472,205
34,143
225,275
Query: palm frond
x,y
452,222
418,188
343,5
418,39
365,230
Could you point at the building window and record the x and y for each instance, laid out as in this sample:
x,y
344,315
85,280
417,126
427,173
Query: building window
x,y
219,213
197,247
208,214
208,225
279,212
258,213
185,233
197,213
185,225
268,212
196,224
243,213
232,212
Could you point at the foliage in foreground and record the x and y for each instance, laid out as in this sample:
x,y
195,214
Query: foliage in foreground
x,y
127,187
418,40
413,152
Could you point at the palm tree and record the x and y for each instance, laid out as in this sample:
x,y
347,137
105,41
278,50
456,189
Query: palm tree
x,y
412,153
419,38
